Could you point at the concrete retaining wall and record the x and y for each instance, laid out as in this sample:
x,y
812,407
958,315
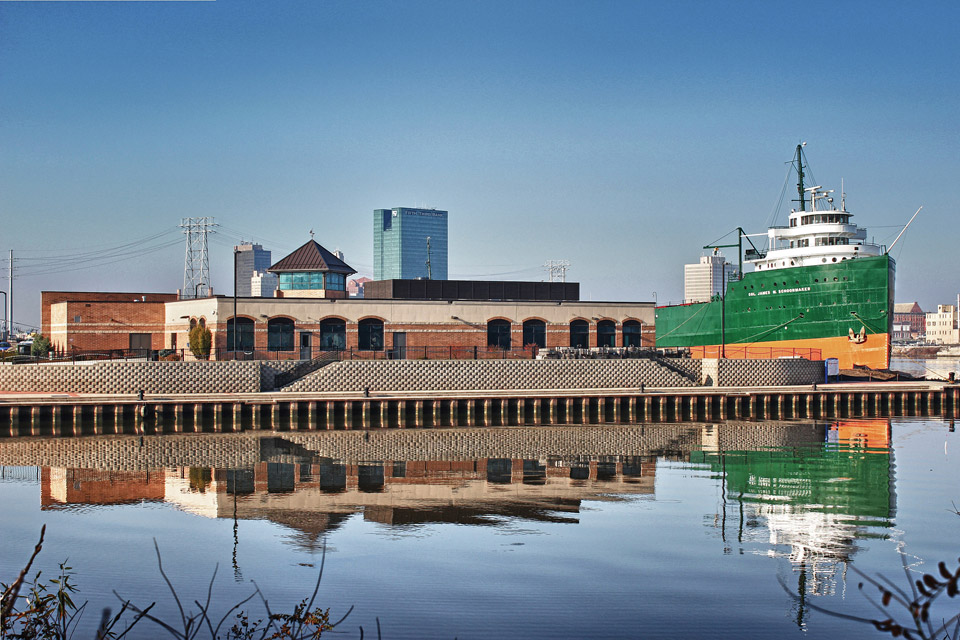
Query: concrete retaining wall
x,y
754,373
480,375
151,377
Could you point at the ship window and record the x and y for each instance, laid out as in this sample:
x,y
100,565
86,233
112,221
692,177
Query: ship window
x,y
791,263
823,259
796,282
835,279
834,259
816,280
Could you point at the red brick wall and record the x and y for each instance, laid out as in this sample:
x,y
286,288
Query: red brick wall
x,y
90,486
108,325
48,298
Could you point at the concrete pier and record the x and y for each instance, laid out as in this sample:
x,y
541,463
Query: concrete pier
x,y
73,416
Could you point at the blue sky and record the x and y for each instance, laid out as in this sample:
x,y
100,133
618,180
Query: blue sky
x,y
621,136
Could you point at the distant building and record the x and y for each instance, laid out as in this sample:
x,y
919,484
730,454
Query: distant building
x,y
312,272
911,316
703,280
263,284
250,257
400,244
355,286
942,325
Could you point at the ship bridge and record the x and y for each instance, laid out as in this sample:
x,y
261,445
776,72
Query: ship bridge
x,y
824,234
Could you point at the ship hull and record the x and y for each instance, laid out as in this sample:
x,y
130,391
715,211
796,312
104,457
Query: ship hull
x,y
838,310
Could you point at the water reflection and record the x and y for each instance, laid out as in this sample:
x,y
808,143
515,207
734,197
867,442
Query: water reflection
x,y
806,491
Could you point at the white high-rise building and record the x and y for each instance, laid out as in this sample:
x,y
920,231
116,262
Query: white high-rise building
x,y
703,280
250,258
263,284
942,325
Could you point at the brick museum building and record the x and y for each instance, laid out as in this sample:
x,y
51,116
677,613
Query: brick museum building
x,y
311,312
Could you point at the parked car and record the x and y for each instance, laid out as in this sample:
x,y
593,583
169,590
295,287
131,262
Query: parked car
x,y
5,346
24,347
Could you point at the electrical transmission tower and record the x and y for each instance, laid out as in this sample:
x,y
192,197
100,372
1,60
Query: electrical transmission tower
x,y
196,264
557,269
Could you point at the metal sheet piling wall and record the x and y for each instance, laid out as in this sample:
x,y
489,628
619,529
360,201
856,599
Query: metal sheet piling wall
x,y
72,417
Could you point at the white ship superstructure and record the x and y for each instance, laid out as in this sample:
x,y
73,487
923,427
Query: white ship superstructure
x,y
824,234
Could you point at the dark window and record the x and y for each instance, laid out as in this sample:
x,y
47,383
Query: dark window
x,y
244,334
280,334
333,334
140,341
632,334
498,334
580,334
387,220
371,335
606,333
535,332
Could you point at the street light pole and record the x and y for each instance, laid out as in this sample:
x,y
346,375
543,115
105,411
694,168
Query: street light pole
x,y
6,333
235,326
196,290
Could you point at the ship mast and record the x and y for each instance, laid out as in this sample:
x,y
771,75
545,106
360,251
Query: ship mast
x,y
803,199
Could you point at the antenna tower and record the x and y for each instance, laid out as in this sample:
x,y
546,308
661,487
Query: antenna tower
x,y
557,269
196,264
429,270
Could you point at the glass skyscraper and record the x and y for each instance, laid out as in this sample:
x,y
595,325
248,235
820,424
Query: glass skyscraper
x,y
400,243
250,257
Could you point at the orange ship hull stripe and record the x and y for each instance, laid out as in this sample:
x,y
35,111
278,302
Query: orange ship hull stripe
x,y
873,353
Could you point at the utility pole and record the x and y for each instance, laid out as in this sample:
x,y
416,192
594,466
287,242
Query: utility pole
x,y
10,293
236,252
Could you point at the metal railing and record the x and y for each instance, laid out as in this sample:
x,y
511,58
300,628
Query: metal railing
x,y
444,352
737,352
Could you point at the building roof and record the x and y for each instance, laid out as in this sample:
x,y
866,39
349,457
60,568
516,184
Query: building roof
x,y
907,307
312,257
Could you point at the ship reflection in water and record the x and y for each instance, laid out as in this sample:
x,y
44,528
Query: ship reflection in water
x,y
812,505
806,491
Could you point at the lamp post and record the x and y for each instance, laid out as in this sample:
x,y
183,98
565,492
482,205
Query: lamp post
x,y
196,290
6,332
236,252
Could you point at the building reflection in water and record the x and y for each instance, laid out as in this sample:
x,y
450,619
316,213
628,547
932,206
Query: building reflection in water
x,y
805,491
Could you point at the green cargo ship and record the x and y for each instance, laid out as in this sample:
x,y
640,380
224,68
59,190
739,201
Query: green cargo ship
x,y
818,291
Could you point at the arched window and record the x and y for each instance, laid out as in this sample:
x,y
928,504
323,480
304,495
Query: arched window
x,y
632,336
371,334
244,339
606,333
580,334
280,334
535,332
333,334
498,334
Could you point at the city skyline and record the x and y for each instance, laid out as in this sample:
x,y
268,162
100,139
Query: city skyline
x,y
620,137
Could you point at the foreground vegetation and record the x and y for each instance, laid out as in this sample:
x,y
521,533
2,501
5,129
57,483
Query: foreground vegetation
x,y
34,608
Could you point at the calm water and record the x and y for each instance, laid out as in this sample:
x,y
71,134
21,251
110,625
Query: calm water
x,y
932,368
580,532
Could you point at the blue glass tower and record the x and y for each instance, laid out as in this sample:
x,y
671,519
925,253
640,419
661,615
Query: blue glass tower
x,y
400,243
